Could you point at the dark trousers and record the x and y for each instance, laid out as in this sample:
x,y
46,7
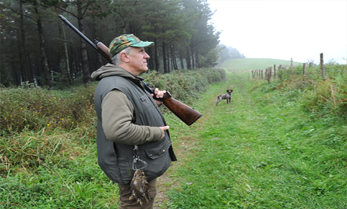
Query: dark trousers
x,y
125,193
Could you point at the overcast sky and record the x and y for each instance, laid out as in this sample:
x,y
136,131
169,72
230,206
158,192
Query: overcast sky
x,y
284,29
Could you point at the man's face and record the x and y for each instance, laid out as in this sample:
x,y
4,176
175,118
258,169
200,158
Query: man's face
x,y
138,60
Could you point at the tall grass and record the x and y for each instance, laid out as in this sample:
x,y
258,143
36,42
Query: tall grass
x,y
66,177
36,108
319,96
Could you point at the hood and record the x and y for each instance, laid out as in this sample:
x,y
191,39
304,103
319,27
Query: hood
x,y
111,70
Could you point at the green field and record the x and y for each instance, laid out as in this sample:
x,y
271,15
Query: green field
x,y
255,64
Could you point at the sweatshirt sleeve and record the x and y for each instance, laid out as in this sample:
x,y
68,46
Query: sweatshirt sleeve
x,y
117,115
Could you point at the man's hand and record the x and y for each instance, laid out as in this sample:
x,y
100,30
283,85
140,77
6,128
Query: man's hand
x,y
163,129
158,94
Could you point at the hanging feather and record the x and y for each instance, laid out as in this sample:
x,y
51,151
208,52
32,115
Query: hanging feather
x,y
139,187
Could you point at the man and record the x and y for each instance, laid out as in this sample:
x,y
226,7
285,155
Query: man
x,y
131,131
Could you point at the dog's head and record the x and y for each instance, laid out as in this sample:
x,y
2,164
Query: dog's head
x,y
229,91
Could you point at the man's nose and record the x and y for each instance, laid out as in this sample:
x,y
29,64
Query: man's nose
x,y
147,56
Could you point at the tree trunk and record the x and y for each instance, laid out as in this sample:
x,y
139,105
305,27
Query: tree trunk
x,y
164,57
174,62
22,61
156,56
46,70
23,53
95,36
67,63
192,57
197,60
85,66
181,59
189,64
168,59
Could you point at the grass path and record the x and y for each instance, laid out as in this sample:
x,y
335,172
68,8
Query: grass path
x,y
185,145
259,152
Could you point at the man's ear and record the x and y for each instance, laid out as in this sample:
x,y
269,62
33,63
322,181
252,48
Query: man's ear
x,y
124,56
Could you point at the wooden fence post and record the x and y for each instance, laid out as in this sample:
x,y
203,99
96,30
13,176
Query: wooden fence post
x,y
304,70
275,72
266,73
269,69
291,66
322,66
262,76
280,72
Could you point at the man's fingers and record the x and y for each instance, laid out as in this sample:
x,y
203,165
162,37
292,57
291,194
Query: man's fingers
x,y
163,129
158,93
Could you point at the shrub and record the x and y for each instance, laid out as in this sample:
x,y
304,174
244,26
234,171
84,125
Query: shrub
x,y
30,150
37,108
318,96
327,97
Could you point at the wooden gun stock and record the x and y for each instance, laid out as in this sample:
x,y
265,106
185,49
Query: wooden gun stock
x,y
102,49
187,114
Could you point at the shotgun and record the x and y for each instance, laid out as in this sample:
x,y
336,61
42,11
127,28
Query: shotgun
x,y
187,114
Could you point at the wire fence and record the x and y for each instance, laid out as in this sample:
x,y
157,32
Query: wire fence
x,y
324,71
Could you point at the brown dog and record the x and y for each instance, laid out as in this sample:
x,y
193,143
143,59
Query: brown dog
x,y
226,96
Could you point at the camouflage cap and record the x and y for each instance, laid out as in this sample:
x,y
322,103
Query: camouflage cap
x,y
124,41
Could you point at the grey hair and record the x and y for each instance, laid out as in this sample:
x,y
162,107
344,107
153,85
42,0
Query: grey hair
x,y
116,60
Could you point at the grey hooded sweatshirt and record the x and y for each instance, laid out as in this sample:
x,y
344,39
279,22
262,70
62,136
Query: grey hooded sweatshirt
x,y
127,115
